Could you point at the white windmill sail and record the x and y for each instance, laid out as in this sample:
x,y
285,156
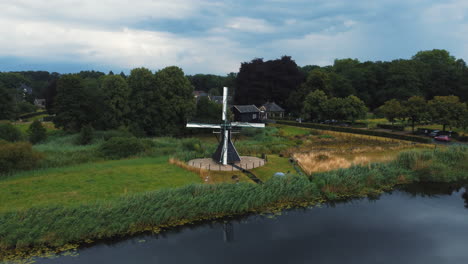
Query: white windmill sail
x,y
226,152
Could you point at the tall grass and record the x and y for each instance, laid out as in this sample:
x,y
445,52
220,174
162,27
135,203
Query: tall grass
x,y
58,225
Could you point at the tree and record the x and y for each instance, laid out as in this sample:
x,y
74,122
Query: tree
x,y
74,105
333,109
447,110
314,105
353,108
392,110
208,111
318,80
50,93
115,95
7,106
143,101
176,103
36,132
260,81
416,110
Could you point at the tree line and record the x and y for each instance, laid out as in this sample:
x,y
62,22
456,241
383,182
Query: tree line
x,y
146,103
444,110
426,74
159,103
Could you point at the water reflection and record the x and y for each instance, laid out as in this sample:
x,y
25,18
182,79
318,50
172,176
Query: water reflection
x,y
415,225
228,229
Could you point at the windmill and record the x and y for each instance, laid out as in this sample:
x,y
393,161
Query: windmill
x,y
226,153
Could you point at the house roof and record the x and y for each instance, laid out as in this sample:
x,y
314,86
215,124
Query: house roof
x,y
199,93
272,107
219,99
246,108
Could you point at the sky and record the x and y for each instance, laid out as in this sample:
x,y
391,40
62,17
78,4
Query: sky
x,y
209,36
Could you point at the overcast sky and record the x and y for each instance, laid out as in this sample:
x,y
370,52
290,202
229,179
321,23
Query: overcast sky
x,y
211,36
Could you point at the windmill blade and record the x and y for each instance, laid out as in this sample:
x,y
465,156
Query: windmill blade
x,y
198,125
245,124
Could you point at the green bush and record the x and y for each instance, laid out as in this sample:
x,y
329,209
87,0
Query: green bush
x,y
108,134
36,132
17,156
122,147
392,127
86,135
9,132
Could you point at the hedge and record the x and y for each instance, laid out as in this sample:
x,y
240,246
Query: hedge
x,y
357,131
392,127
25,116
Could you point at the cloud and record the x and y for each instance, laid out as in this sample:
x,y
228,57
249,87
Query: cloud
x,y
126,47
252,25
103,10
214,36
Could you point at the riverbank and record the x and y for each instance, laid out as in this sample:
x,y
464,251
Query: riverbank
x,y
57,226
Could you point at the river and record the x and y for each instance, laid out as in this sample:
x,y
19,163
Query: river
x,y
424,224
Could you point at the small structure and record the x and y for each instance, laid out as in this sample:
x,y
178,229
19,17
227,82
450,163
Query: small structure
x,y
41,103
26,89
271,110
200,94
246,113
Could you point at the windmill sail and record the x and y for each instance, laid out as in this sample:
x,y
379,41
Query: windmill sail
x,y
226,153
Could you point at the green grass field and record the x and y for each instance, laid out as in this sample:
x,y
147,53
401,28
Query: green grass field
x,y
274,164
90,182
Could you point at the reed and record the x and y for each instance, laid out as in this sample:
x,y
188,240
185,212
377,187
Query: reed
x,y
58,225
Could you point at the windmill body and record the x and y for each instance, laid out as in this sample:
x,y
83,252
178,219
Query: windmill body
x,y
226,152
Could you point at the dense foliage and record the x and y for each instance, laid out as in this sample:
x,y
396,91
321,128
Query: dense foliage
x,y
122,147
17,156
36,132
9,132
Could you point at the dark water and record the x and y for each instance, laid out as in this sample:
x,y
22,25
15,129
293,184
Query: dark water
x,y
421,225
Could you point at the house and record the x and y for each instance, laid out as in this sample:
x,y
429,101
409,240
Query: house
x,y
41,103
271,110
26,89
200,94
246,113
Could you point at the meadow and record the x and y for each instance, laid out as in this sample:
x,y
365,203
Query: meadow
x,y
78,194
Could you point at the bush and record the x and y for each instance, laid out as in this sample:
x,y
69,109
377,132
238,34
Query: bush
x,y
36,132
9,132
17,156
392,127
86,135
108,134
122,147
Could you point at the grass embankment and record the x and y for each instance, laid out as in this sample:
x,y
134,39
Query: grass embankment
x,y
57,225
90,182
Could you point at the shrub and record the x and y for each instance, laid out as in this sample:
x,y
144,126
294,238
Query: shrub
x,y
392,127
17,156
9,132
108,134
36,132
122,147
86,135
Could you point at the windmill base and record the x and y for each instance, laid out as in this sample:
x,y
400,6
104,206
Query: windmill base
x,y
246,162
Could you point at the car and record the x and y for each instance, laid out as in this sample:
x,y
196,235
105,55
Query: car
x,y
434,133
444,138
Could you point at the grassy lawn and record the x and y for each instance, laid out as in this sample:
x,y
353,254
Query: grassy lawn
x,y
290,131
23,127
275,164
90,182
